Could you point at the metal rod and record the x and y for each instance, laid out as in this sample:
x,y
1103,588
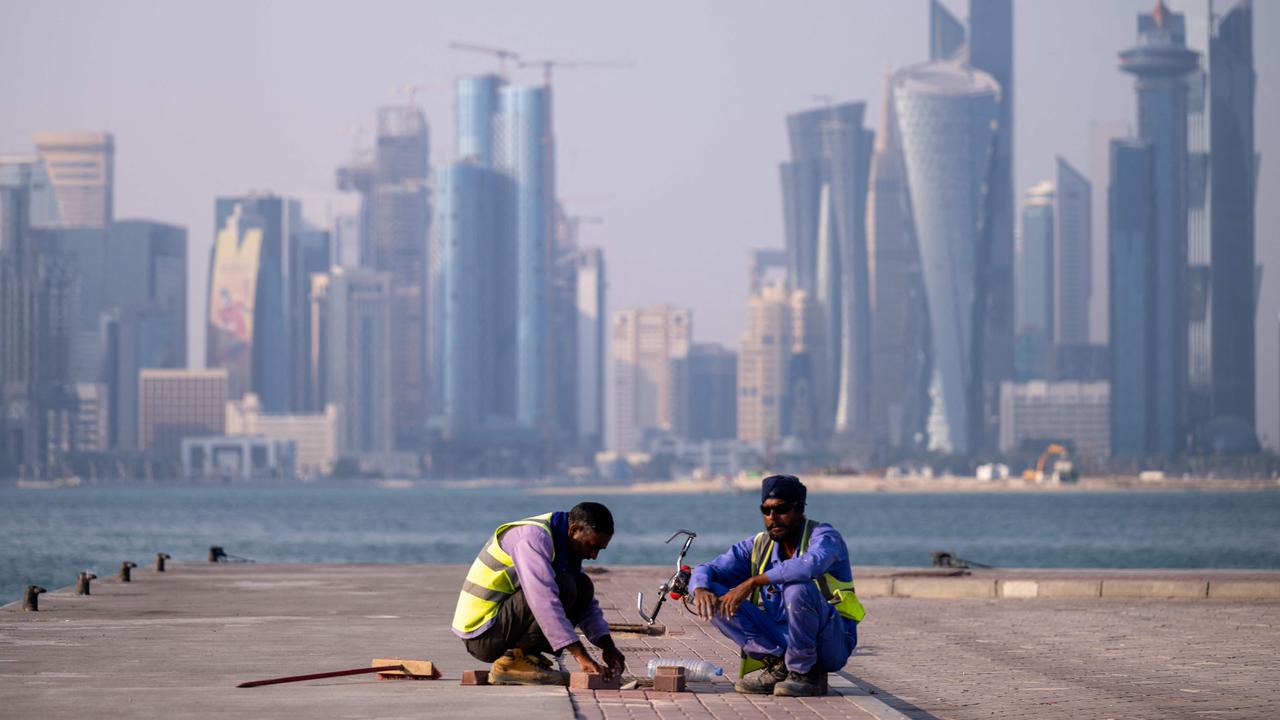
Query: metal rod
x,y
317,676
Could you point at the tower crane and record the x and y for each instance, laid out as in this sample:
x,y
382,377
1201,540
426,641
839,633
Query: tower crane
x,y
547,65
503,54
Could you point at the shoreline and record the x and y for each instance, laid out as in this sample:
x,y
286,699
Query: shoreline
x,y
830,484
859,484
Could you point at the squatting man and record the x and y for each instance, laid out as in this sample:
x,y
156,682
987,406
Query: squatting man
x,y
525,593
785,597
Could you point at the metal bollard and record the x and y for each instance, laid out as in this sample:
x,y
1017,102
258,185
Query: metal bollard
x,y
216,554
82,582
125,566
31,600
160,558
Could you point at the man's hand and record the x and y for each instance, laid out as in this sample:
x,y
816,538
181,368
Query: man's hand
x,y
613,657
730,601
705,602
616,661
585,662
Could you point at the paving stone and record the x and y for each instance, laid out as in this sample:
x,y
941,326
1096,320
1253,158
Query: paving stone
x,y
177,644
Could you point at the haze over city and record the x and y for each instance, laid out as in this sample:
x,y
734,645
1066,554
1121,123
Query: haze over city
x,y
670,145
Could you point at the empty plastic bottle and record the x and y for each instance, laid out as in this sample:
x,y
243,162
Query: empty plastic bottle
x,y
694,670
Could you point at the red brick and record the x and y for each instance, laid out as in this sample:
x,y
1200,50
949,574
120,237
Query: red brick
x,y
669,682
475,677
593,681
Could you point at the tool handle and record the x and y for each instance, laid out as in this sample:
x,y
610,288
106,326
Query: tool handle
x,y
317,676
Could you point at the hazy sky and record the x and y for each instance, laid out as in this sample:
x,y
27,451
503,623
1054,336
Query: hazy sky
x,y
678,154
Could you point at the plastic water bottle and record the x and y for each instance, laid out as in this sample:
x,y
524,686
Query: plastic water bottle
x,y
694,670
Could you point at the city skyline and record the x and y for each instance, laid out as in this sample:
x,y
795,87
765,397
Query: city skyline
x,y
628,233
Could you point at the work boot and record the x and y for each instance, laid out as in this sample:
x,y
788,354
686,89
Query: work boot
x,y
516,668
800,684
762,683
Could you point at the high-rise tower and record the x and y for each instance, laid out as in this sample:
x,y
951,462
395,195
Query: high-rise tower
x,y
824,188
1073,256
253,302
527,153
900,326
946,33
81,167
1160,61
948,119
650,347
1222,172
991,51
1036,307
1132,262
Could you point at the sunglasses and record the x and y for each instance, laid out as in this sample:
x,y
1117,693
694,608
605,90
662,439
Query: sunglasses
x,y
779,509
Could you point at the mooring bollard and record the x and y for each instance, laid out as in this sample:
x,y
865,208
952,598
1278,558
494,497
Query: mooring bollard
x,y
216,553
31,599
125,575
160,558
82,582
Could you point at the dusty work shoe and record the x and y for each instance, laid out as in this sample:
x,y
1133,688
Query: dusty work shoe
x,y
799,684
540,660
516,668
762,683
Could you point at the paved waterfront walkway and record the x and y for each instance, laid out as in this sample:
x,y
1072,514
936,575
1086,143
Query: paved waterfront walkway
x,y
175,645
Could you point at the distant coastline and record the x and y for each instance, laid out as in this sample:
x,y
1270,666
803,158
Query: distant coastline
x,y
920,484
743,483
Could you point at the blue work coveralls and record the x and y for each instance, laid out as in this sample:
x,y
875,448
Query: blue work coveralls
x,y
794,621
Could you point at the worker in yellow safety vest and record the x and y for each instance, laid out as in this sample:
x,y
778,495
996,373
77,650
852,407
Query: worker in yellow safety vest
x,y
785,596
525,593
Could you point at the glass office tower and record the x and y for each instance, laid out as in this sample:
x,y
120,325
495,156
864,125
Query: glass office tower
x,y
1222,172
1036,309
476,300
990,50
248,304
1160,61
947,119
824,191
1132,254
527,153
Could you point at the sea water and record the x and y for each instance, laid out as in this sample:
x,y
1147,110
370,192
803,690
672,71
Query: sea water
x,y
48,536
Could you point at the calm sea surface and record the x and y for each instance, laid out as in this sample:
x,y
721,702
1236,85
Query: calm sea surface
x,y
47,536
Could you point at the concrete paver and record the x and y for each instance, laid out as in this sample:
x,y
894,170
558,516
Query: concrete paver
x,y
1073,658
174,645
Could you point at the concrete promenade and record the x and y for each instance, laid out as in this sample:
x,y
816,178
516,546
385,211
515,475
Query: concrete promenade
x,y
995,644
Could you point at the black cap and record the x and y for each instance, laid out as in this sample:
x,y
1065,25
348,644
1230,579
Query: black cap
x,y
783,487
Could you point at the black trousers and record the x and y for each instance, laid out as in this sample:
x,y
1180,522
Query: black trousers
x,y
515,627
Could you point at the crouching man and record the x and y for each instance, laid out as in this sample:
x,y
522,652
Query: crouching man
x,y
526,592
785,596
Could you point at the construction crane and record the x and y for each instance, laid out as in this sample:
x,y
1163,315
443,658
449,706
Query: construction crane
x,y
503,54
547,65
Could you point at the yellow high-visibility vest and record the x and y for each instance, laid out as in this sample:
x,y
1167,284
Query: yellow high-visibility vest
x,y
839,593
491,579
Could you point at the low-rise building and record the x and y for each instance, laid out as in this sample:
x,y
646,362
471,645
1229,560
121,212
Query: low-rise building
x,y
1076,412
314,434
238,457
178,404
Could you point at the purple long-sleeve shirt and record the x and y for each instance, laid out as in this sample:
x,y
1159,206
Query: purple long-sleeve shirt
x,y
531,548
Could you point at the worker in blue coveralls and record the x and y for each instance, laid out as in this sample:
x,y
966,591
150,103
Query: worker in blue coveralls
x,y
785,596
